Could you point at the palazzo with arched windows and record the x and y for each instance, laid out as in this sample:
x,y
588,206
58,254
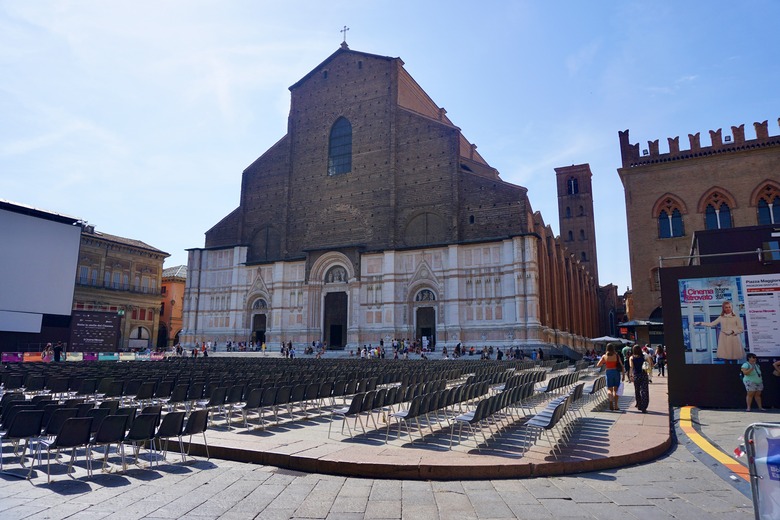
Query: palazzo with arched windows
x,y
670,196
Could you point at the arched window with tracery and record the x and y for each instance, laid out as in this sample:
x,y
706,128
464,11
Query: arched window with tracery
x,y
340,147
768,205
717,212
260,305
670,219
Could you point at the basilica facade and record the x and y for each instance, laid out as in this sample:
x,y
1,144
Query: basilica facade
x,y
373,219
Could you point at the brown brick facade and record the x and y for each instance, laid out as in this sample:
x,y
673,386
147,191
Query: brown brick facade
x,y
733,169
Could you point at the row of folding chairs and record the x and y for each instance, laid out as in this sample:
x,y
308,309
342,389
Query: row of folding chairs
x,y
73,432
494,410
521,378
557,420
433,404
559,384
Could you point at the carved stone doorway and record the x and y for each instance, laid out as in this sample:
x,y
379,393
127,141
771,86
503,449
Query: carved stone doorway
x,y
335,320
426,325
259,323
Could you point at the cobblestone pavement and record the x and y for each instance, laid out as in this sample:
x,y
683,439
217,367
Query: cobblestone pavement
x,y
677,485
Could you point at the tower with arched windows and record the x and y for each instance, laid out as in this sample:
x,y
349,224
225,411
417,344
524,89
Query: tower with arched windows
x,y
730,184
373,219
575,214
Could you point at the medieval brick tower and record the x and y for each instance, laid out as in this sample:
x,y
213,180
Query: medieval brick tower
x,y
575,214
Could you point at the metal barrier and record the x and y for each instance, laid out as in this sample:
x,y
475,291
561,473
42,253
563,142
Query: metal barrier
x,y
762,445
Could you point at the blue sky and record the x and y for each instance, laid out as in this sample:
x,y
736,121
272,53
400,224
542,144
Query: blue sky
x,y
139,116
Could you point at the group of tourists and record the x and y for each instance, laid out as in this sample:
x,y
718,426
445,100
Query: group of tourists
x,y
635,364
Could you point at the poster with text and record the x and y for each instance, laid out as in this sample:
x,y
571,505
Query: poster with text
x,y
713,320
762,307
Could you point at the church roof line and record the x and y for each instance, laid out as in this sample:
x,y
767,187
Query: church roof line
x,y
341,50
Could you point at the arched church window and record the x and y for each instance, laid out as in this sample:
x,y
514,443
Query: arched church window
x,y
583,256
260,304
340,147
426,295
573,186
568,212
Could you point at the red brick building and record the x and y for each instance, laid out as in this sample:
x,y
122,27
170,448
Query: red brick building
x,y
734,182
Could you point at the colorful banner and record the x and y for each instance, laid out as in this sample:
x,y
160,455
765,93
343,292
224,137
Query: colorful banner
x,y
27,357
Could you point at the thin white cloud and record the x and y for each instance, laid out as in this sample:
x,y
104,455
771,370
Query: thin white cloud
x,y
584,57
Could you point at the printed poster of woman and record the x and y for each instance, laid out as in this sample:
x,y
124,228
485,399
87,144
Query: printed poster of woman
x,y
713,319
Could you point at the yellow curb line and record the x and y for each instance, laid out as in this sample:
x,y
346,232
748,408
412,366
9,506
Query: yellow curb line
x,y
687,427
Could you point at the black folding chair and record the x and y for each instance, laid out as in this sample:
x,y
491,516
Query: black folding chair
x,y
75,433
111,431
197,423
25,426
172,426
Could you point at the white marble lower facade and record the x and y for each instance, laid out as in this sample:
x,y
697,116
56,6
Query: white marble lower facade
x,y
476,294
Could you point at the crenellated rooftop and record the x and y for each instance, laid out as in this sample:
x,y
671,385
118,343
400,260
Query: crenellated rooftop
x,y
736,142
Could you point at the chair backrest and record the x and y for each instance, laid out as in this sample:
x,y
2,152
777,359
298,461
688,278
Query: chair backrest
x,y
145,391
75,432
312,391
154,409
104,385
283,395
197,422
379,398
74,402
172,425
298,393
111,430
25,424
179,393
235,394
13,408
339,387
57,419
34,383
368,401
87,387
131,386
164,389
218,396
97,414
269,396
356,404
112,406
128,413
143,427
83,408
254,399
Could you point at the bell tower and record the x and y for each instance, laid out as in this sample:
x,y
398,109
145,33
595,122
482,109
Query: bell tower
x,y
575,214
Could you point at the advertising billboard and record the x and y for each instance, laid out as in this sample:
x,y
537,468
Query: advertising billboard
x,y
93,331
